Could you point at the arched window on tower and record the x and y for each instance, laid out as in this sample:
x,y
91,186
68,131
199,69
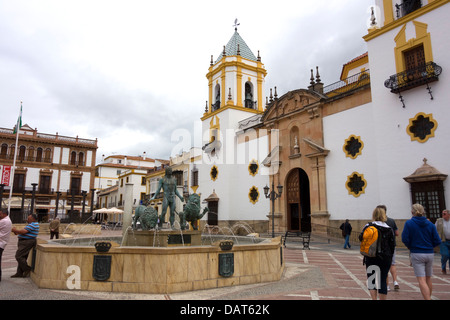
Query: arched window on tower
x,y
248,101
216,104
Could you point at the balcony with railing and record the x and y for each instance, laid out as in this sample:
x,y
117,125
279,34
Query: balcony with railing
x,y
351,83
414,77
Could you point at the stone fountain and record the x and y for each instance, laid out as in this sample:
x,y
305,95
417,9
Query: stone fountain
x,y
156,259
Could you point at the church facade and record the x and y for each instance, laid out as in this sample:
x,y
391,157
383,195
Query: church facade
x,y
377,136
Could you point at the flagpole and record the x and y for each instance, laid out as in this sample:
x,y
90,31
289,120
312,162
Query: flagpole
x,y
11,177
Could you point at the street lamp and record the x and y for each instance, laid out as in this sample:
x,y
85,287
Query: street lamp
x,y
272,195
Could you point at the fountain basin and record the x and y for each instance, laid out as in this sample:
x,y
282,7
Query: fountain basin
x,y
162,238
158,270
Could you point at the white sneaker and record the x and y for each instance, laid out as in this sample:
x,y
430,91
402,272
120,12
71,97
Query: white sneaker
x,y
396,286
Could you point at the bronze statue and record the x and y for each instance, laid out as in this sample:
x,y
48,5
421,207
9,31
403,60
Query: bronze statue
x,y
191,212
147,216
169,185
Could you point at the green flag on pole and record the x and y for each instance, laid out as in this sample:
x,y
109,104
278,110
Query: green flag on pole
x,y
19,120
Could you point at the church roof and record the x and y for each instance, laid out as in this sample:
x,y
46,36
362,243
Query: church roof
x,y
231,49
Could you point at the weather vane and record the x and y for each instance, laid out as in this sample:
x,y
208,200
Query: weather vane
x,y
236,24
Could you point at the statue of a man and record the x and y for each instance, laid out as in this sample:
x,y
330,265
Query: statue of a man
x,y
169,185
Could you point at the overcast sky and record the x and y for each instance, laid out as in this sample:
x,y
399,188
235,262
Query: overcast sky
x,y
132,73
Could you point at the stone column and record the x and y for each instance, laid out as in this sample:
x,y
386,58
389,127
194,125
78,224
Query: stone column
x,y
128,207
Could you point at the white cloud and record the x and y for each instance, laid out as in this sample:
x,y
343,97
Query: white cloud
x,y
132,72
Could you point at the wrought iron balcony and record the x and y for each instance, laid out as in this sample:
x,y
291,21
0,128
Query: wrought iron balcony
x,y
409,79
353,82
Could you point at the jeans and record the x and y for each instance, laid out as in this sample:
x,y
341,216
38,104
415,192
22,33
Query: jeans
x,y
444,250
347,243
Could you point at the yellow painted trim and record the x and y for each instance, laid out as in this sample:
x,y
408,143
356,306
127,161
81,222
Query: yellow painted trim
x,y
242,66
237,63
422,38
250,190
257,169
412,16
224,92
210,173
210,84
226,107
348,188
388,11
353,65
360,149
239,87
194,188
214,127
411,120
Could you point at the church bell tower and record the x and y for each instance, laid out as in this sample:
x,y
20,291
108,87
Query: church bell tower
x,y
236,79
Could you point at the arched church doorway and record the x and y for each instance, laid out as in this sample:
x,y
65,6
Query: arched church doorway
x,y
298,201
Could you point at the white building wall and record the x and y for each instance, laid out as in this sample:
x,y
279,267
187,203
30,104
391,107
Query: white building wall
x,y
56,155
233,182
337,128
32,177
65,156
398,156
89,158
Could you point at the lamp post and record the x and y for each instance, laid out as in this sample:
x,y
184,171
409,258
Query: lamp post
x,y
272,195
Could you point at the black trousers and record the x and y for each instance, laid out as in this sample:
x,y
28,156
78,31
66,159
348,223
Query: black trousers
x,y
384,265
54,234
24,247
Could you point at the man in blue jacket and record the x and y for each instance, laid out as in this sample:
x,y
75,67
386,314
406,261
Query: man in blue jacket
x,y
420,237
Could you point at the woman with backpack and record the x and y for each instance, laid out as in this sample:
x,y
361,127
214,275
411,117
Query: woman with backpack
x,y
420,236
377,246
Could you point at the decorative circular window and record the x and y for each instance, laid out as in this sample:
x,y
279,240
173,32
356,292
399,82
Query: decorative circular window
x,y
421,127
253,194
356,184
214,173
353,146
253,168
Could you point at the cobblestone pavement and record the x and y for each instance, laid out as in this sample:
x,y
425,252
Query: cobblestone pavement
x,y
325,272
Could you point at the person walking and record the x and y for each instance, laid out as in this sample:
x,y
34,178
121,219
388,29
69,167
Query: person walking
x,y
26,241
381,263
5,232
443,229
420,237
393,270
346,228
